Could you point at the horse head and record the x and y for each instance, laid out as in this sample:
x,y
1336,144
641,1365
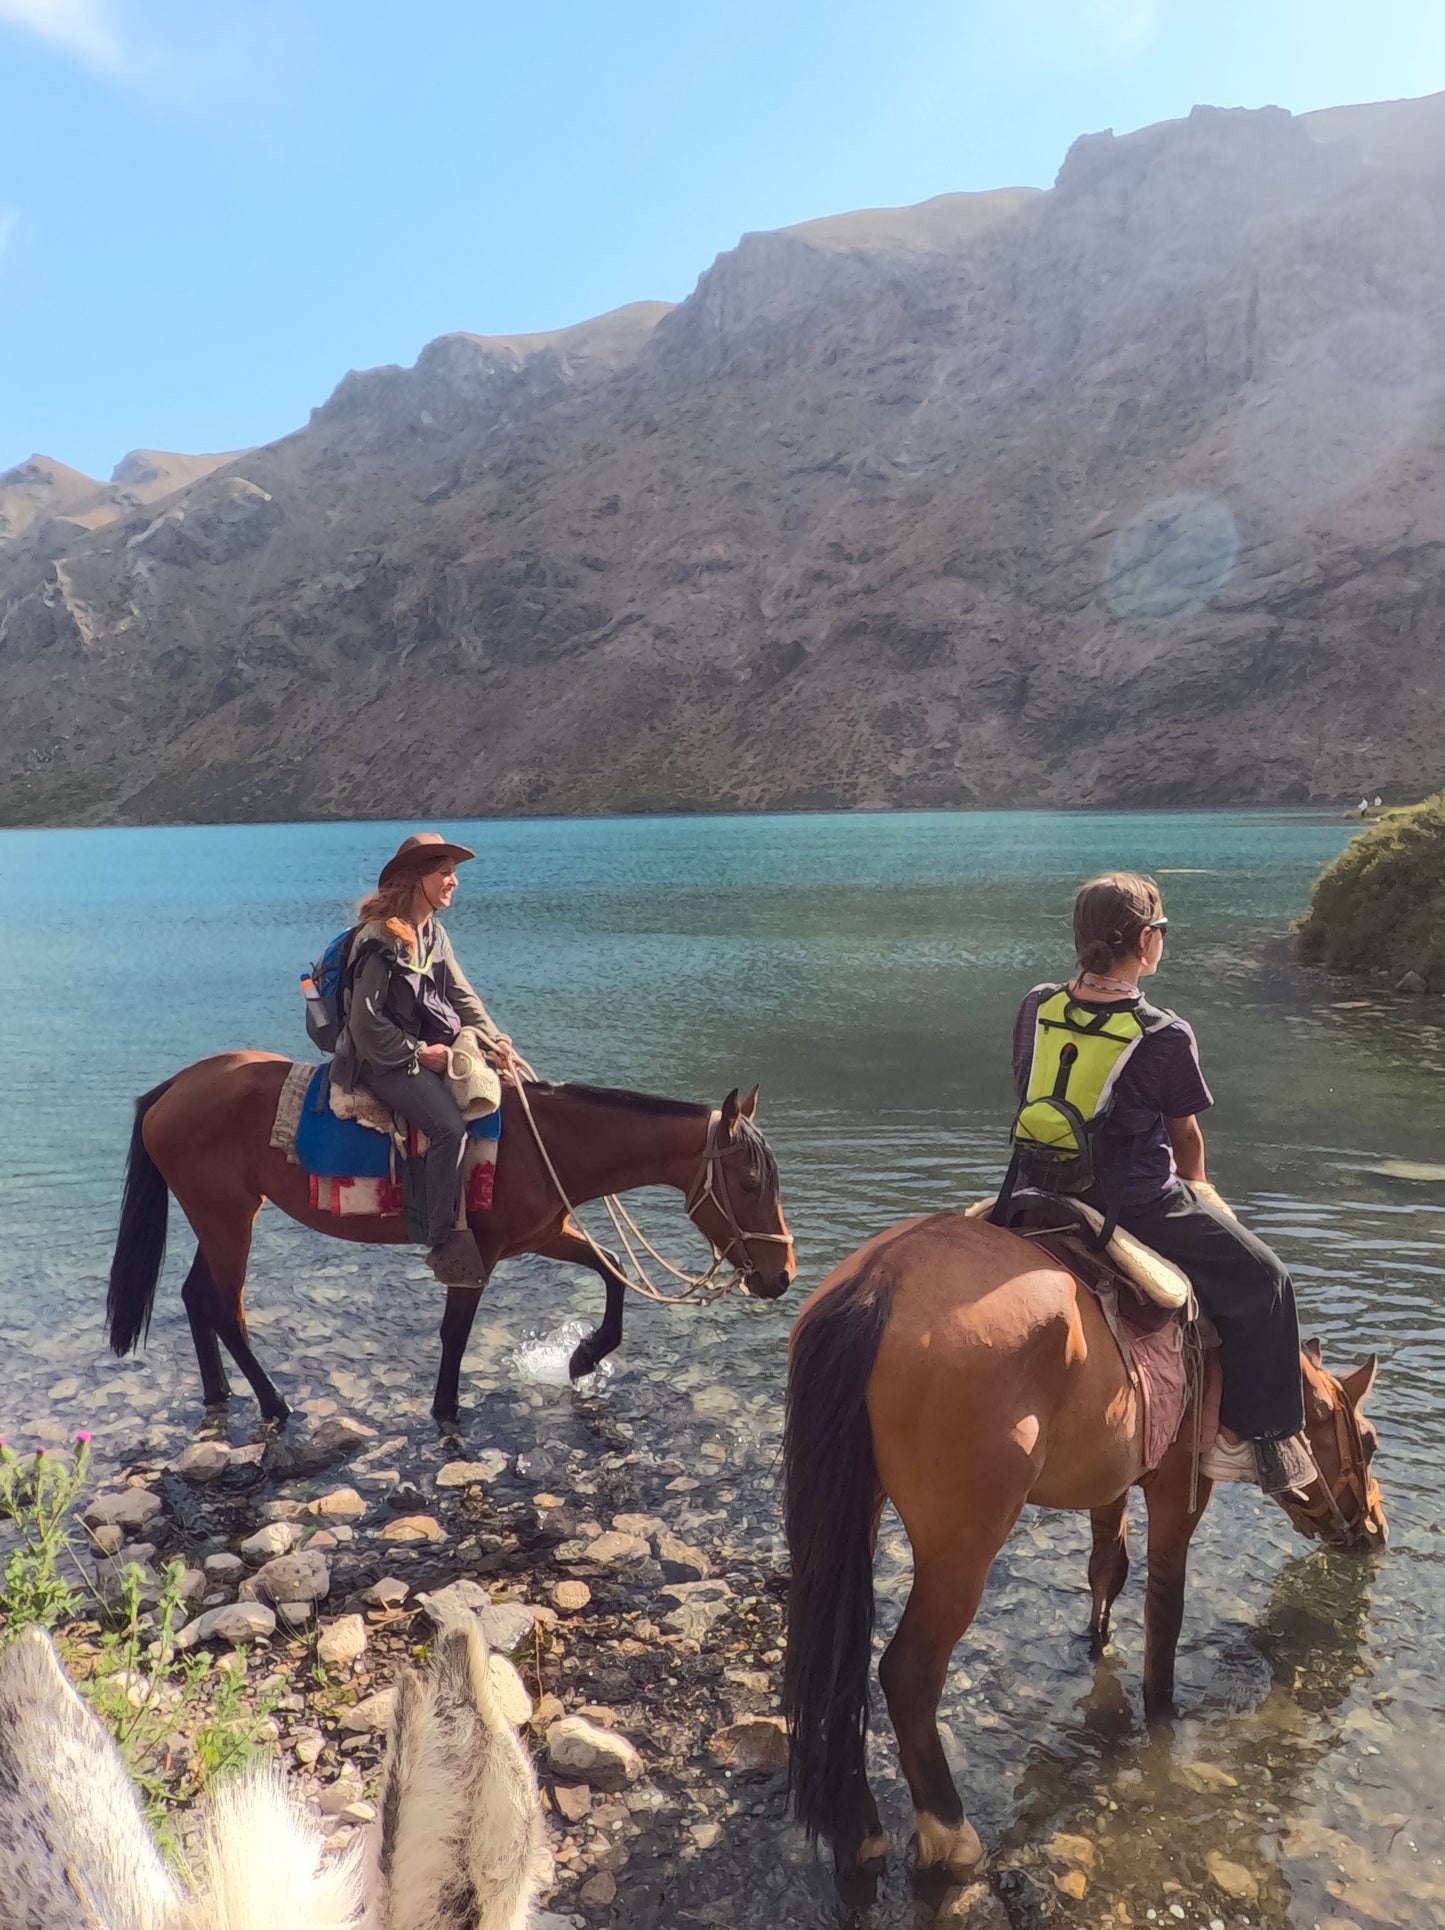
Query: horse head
x,y
1343,1507
735,1203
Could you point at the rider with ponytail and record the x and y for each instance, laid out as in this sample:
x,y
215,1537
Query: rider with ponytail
x,y
1149,1170
406,999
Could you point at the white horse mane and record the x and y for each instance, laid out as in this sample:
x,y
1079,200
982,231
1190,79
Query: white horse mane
x,y
458,1845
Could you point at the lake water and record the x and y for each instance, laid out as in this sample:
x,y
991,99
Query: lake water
x,y
865,970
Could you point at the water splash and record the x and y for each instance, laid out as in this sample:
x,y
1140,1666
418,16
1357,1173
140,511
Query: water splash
x,y
542,1358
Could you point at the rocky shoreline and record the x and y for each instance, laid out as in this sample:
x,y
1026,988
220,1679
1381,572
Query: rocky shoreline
x,y
313,1572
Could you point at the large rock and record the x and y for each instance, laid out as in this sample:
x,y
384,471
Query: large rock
x,y
371,1716
589,1754
130,1508
344,1641
203,1461
276,1538
302,1577
234,1624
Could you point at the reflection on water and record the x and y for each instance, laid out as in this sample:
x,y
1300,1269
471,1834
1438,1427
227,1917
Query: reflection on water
x,y
867,970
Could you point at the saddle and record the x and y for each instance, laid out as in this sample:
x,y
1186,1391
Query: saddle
x,y
1168,1347
355,1163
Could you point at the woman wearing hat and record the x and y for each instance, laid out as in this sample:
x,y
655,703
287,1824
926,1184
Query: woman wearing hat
x,y
407,999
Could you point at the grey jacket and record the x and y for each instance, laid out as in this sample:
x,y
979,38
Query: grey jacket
x,y
381,1032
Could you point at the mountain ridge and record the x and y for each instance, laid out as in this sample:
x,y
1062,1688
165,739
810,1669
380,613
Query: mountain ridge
x,y
1128,491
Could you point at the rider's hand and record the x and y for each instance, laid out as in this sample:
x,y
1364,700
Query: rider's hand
x,y
432,1057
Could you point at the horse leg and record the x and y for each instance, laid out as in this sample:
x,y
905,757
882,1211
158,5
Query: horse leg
x,y
950,1569
1108,1565
457,1317
1171,1527
223,1228
571,1246
197,1295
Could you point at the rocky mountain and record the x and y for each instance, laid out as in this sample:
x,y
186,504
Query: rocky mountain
x,y
1131,491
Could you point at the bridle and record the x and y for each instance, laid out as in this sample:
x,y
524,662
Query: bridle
x,y
709,1185
1312,1517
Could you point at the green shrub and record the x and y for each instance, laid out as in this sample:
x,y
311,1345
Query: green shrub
x,y
1382,901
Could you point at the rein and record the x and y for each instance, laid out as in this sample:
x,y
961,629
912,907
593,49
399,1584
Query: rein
x,y
1351,1451
704,1187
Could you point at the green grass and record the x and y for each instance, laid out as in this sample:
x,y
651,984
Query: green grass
x,y
1382,902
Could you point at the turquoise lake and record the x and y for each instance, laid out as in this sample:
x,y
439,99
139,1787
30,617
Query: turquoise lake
x,y
865,970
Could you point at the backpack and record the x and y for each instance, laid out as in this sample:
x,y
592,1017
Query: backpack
x,y
324,989
1077,1059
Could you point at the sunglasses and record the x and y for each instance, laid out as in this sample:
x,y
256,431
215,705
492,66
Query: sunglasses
x,y
1157,924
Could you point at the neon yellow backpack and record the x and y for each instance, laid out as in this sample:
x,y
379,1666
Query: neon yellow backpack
x,y
1078,1057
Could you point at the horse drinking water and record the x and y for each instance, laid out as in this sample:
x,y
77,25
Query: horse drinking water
x,y
205,1136
951,1367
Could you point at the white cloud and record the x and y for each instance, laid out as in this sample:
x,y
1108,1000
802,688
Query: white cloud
x,y
88,29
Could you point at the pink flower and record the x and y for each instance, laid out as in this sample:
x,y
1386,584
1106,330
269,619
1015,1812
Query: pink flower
x,y
82,1435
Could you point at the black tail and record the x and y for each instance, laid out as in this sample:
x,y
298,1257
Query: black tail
x,y
831,1500
140,1245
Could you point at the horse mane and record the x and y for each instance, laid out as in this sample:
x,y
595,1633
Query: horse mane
x,y
616,1096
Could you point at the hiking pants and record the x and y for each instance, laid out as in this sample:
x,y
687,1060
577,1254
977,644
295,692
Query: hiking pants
x,y
423,1099
1247,1293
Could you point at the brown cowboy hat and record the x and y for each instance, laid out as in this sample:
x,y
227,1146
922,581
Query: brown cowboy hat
x,y
422,851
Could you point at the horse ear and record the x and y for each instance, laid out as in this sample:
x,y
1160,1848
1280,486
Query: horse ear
x,y
1312,1348
750,1104
1359,1383
731,1111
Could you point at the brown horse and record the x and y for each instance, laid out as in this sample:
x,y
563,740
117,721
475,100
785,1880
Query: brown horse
x,y
952,1368
205,1136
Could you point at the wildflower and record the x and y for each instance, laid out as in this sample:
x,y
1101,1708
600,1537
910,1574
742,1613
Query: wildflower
x,y
82,1436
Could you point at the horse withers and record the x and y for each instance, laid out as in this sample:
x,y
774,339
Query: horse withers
x,y
205,1136
952,1368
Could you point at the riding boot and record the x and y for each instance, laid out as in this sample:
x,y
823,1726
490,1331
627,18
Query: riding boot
x,y
456,1261
1284,1464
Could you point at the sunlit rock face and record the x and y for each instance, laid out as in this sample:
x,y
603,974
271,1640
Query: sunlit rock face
x,y
1128,491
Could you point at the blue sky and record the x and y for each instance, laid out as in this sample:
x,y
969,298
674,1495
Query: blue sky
x,y
211,209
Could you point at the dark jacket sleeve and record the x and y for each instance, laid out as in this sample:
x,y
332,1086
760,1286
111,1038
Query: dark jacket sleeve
x,y
377,1041
468,1007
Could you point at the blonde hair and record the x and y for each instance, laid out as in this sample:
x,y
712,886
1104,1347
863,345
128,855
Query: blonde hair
x,y
1110,912
390,906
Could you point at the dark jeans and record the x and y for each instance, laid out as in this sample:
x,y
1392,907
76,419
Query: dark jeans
x,y
1246,1292
423,1099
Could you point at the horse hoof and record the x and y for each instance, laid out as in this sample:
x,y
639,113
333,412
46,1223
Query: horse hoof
x,y
952,1848
582,1363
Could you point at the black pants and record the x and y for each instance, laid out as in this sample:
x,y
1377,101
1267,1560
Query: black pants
x,y
423,1099
1247,1293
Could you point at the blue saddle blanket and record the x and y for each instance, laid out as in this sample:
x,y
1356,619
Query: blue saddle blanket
x,y
336,1148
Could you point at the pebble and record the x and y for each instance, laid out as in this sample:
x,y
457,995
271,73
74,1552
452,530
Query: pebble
x,y
378,1478
203,1461
1232,1878
706,1835
307,1749
372,1715
752,1744
571,1596
281,1510
342,1504
131,1508
574,1800
303,1577
225,1568
599,1890
973,1906
471,1474
599,1757
343,1642
1064,1848
680,1563
294,1614
643,1525
613,1549
409,1529
338,1797
107,1540
276,1538
386,1593
192,1588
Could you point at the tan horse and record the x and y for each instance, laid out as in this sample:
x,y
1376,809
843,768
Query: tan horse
x,y
952,1368
206,1136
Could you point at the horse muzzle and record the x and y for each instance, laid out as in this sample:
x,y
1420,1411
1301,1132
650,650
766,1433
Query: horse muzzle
x,y
761,1287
